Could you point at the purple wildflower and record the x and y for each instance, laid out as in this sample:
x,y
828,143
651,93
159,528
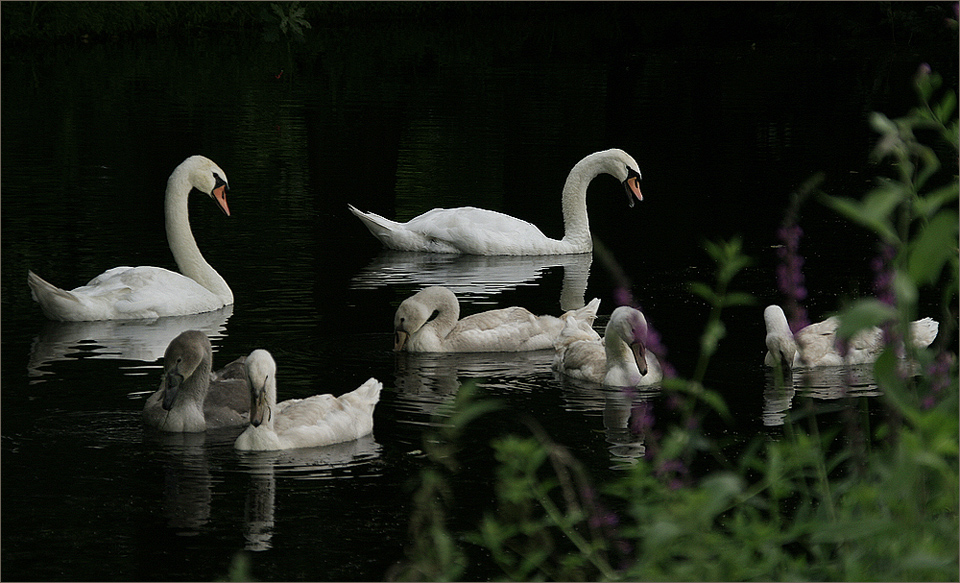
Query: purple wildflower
x,y
674,470
642,419
883,274
939,374
790,274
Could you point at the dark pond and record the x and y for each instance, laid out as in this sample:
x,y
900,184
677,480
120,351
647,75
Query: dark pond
x,y
397,120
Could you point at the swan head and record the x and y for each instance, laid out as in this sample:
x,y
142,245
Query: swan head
x,y
629,325
418,310
624,168
182,360
208,178
262,377
781,345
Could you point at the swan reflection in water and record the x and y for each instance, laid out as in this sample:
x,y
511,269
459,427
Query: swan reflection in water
x,y
345,459
188,459
822,383
138,340
427,382
476,277
619,408
187,481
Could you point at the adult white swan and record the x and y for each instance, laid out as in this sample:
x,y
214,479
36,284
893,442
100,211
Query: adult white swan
x,y
429,321
476,231
128,293
816,344
191,398
620,359
311,422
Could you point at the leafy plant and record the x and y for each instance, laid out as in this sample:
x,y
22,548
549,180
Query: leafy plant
x,y
802,507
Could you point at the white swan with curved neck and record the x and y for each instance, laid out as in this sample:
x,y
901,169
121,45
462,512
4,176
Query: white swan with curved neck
x,y
474,231
620,359
191,398
312,422
428,321
816,344
130,293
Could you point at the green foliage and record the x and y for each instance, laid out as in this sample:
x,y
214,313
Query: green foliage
x,y
287,19
239,569
914,218
808,506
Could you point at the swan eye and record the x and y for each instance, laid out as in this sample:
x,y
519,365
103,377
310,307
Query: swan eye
x,y
218,182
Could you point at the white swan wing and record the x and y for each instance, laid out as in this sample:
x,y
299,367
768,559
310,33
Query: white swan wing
x,y
503,330
582,359
325,419
817,343
478,231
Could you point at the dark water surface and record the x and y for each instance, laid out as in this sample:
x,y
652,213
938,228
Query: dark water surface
x,y
396,121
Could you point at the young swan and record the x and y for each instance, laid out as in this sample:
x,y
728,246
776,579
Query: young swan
x,y
816,344
191,398
484,232
620,359
428,321
311,422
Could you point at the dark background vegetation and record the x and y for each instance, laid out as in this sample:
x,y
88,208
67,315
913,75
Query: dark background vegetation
x,y
633,24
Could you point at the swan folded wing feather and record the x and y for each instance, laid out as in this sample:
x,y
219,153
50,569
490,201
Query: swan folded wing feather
x,y
583,359
924,332
325,419
151,292
227,403
478,231
504,329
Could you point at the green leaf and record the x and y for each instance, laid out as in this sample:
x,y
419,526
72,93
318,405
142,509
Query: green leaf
x,y
738,299
936,244
704,291
929,203
873,213
863,314
944,110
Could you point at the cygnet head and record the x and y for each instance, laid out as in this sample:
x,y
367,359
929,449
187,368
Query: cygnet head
x,y
208,178
187,355
420,308
779,339
629,325
262,378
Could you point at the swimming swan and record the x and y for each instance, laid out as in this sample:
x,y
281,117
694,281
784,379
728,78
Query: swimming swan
x,y
620,359
128,293
816,344
191,398
428,321
311,422
476,231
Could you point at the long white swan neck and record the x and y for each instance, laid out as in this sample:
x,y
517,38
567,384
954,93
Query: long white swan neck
x,y
576,225
180,237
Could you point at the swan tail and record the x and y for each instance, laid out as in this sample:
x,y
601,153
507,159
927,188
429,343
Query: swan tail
x,y
54,302
924,331
380,227
587,314
367,393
